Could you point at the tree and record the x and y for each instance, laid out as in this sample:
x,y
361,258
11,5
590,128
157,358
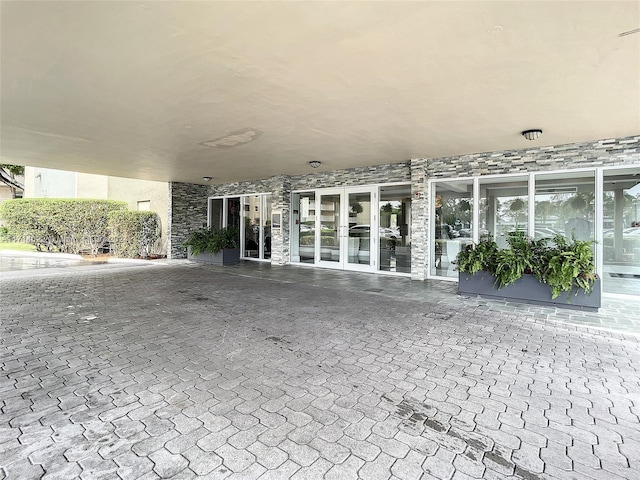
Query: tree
x,y
8,174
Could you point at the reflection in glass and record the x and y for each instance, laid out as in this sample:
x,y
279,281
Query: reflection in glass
x,y
216,213
504,207
565,205
452,224
303,228
329,228
359,248
621,234
266,226
233,213
395,235
251,210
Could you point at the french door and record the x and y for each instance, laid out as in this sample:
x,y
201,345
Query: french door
x,y
346,228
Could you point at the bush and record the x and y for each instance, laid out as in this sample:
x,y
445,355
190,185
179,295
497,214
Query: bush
x,y
211,240
64,225
563,264
4,234
133,234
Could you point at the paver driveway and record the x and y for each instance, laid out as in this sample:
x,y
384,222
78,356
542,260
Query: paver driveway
x,y
181,371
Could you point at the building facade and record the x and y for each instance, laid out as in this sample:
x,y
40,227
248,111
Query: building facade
x,y
412,218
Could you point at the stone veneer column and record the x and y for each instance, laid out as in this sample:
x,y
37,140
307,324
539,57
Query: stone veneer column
x,y
281,202
419,219
187,212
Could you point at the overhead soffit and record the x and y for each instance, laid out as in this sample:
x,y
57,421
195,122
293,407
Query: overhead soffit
x,y
246,90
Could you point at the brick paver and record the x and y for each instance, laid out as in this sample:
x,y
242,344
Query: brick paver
x,y
179,371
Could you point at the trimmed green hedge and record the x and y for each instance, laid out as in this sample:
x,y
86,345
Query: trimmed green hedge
x,y
133,234
55,224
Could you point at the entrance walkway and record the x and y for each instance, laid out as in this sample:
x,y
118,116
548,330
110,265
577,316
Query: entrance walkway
x,y
181,371
617,313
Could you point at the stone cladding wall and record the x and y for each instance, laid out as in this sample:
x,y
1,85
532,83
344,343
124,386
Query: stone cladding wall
x,y
188,206
187,212
600,153
419,219
187,198
351,177
616,151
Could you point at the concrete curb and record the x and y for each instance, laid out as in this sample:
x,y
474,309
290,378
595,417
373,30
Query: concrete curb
x,y
70,256
61,256
131,261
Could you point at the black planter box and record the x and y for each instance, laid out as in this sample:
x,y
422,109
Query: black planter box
x,y
228,256
529,290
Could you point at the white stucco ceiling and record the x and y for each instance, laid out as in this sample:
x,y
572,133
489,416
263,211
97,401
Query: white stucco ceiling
x,y
246,90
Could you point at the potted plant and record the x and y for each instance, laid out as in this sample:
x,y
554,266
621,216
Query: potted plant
x,y
218,246
555,272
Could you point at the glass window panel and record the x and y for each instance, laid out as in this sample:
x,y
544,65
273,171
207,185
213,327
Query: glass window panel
x,y
621,231
503,208
303,229
452,224
565,205
252,234
395,235
266,222
233,213
359,241
329,227
216,212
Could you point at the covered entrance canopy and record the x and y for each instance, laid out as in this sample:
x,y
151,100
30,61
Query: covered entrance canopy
x,y
178,91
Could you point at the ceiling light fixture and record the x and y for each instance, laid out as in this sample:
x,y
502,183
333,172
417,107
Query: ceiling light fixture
x,y
532,134
207,179
315,163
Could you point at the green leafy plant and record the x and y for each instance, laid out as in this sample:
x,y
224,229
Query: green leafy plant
x,y
475,258
560,263
520,258
568,265
211,240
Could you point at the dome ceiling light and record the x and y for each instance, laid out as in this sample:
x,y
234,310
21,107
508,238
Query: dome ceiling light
x,y
532,134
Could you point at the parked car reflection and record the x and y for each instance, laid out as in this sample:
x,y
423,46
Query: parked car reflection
x,y
364,231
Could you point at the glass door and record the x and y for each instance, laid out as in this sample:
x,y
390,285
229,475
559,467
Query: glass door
x,y
329,228
346,231
361,230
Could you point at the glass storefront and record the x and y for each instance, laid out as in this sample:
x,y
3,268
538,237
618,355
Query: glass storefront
x,y
359,228
257,226
354,228
251,215
216,212
503,207
621,231
303,227
394,209
252,231
543,205
330,222
565,204
452,225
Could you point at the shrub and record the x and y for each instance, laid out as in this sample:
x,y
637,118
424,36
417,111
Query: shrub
x,y
4,234
560,263
211,240
133,234
64,225
474,258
